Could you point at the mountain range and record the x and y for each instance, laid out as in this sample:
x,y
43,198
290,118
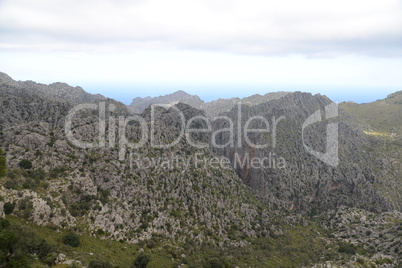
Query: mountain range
x,y
212,108
170,207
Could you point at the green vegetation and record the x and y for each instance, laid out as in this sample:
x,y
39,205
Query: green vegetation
x,y
99,264
2,164
18,244
104,251
346,248
26,164
284,250
142,261
382,115
297,246
216,262
71,239
8,208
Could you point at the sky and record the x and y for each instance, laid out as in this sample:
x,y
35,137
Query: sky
x,y
347,50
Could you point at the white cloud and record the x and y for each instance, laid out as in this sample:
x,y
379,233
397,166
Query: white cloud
x,y
310,27
217,45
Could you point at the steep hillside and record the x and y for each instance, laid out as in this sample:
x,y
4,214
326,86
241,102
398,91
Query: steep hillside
x,y
306,183
28,101
56,91
143,199
139,104
212,109
112,204
384,116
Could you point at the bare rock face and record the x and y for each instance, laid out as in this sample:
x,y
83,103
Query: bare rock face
x,y
60,92
378,234
139,193
304,183
146,193
28,101
217,107
138,104
212,109
18,105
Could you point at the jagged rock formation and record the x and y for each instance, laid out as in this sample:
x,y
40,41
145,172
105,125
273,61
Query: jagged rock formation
x,y
212,109
364,232
306,183
215,108
139,104
29,101
126,199
194,196
60,92
18,105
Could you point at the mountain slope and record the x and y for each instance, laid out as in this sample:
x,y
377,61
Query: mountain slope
x,y
212,109
56,91
383,115
166,207
176,205
139,104
21,102
307,184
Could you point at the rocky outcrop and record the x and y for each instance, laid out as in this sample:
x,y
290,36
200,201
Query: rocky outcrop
x,y
199,195
60,92
28,101
139,104
304,183
150,191
212,109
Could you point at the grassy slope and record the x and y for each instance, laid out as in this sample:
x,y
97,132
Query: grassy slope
x,y
385,118
299,245
383,115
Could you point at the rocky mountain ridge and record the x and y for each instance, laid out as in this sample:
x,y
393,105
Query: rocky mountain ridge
x,y
61,92
212,108
168,203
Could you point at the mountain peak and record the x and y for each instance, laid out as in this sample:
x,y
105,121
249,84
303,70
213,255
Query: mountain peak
x,y
181,92
395,94
140,104
56,91
5,77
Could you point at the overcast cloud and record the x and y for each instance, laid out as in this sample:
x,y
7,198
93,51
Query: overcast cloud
x,y
311,27
213,48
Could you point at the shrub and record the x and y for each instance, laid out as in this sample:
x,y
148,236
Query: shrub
x,y
26,207
45,250
2,164
100,232
11,184
347,248
141,261
22,243
151,243
99,264
26,164
20,262
71,239
8,208
383,261
215,262
58,172
360,261
50,258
